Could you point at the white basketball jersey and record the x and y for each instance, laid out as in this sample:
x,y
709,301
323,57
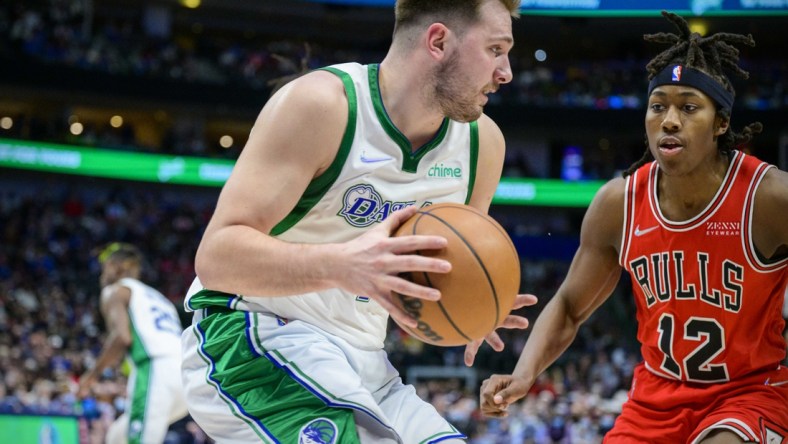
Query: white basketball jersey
x,y
375,172
155,325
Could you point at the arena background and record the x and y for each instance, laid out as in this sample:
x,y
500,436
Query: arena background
x,y
120,120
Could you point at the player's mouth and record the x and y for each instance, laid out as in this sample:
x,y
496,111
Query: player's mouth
x,y
670,145
486,94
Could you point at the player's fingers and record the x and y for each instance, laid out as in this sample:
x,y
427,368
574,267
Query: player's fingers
x,y
414,262
398,314
404,287
495,412
397,218
524,300
505,396
470,351
416,242
514,321
495,341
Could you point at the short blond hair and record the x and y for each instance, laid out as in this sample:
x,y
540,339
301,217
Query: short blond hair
x,y
454,13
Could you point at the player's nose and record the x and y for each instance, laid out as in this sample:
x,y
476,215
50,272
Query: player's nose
x,y
503,72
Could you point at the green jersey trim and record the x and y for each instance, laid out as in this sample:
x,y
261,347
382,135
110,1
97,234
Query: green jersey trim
x,y
138,404
410,158
320,185
137,352
211,298
474,126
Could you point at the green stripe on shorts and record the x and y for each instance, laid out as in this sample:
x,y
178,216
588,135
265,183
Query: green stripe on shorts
x,y
212,298
262,394
139,401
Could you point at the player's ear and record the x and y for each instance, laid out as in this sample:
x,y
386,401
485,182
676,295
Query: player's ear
x,y
721,125
436,36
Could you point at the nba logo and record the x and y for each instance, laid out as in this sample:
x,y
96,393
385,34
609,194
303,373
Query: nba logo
x,y
676,73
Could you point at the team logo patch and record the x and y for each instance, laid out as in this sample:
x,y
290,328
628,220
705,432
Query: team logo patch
x,y
318,431
676,73
363,206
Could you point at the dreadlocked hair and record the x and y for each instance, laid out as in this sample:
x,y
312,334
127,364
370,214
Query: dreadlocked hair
x,y
712,55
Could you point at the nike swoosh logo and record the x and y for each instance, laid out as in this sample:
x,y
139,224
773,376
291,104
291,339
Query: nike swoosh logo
x,y
366,159
639,232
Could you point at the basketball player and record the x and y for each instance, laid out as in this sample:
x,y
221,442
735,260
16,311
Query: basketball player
x,y
144,326
701,229
296,267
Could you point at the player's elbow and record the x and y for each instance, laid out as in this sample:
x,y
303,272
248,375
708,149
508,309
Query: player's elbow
x,y
204,267
121,340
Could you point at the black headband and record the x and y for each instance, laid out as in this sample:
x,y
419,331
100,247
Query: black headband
x,y
682,75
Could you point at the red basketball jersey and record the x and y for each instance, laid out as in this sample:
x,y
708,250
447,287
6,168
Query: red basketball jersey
x,y
709,308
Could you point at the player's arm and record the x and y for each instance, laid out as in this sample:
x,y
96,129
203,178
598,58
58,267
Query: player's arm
x,y
591,279
770,232
294,140
115,311
492,147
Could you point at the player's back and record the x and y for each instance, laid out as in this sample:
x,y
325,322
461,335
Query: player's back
x,y
156,327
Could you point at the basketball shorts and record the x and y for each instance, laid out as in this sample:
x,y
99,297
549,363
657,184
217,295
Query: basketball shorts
x,y
660,410
251,377
154,400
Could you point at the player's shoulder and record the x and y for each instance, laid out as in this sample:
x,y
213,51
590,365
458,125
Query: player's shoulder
x,y
116,292
487,125
774,186
611,193
318,88
605,216
489,131
771,196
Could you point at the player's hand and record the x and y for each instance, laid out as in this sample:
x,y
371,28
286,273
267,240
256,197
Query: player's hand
x,y
85,385
376,259
511,321
498,392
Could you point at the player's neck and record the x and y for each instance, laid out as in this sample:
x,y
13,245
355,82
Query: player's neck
x,y
405,101
685,196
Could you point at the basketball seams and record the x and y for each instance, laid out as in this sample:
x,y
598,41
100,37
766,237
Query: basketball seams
x,y
478,261
484,242
429,282
476,212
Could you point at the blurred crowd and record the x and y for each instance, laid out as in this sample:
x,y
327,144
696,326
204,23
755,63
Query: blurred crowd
x,y
61,32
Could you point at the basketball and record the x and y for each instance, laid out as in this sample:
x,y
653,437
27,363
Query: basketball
x,y
478,292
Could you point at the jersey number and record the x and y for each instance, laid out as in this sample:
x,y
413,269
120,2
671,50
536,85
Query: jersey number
x,y
696,365
165,321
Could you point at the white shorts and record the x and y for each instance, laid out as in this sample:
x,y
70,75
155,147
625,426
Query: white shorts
x,y
154,400
251,377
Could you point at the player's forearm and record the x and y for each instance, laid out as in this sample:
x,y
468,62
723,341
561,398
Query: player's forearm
x,y
552,334
111,355
240,260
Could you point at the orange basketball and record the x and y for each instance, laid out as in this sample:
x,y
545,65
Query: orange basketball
x,y
478,292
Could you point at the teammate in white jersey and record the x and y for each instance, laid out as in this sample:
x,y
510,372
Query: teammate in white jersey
x,y
143,326
297,266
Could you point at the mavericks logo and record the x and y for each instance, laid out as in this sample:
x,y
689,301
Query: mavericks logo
x,y
318,431
363,206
